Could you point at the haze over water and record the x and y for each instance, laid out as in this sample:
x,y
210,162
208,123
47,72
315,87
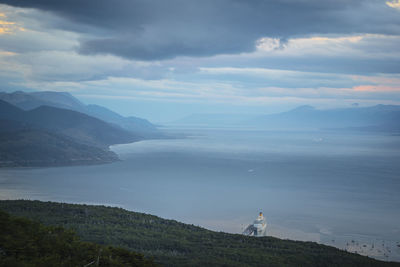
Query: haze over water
x,y
340,189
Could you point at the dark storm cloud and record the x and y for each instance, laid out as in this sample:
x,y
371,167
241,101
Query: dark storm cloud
x,y
159,29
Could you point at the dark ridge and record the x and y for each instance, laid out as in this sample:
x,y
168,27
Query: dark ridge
x,y
38,148
83,128
28,101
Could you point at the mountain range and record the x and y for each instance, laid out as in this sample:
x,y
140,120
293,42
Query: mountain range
x,y
64,100
307,117
50,129
88,130
383,118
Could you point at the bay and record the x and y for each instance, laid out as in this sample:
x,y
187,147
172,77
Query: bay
x,y
336,188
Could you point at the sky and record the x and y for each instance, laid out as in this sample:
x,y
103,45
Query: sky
x,y
164,60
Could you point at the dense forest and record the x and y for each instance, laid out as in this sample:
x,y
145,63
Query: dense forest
x,y
172,243
27,243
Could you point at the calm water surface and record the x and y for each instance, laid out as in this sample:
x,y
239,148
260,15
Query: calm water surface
x,y
334,188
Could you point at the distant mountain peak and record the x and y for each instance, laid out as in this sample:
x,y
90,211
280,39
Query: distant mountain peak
x,y
304,108
63,98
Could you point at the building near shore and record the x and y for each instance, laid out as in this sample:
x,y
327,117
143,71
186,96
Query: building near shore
x,y
257,228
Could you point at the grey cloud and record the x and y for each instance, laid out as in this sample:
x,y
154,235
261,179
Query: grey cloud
x,y
158,29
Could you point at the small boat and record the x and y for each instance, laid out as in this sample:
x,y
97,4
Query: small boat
x,y
258,228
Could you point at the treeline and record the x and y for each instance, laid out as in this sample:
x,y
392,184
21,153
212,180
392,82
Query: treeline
x,y
172,243
27,243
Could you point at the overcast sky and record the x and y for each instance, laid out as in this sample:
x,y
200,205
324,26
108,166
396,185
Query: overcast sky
x,y
163,60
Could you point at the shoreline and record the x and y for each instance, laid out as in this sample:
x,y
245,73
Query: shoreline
x,y
86,205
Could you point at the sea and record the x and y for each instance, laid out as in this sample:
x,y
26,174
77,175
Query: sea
x,y
332,187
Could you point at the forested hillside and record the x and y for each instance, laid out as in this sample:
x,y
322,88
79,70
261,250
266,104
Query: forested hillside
x,y
48,136
27,243
31,148
172,243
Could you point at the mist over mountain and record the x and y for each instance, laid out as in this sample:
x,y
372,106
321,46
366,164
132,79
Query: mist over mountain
x,y
352,118
375,118
87,130
213,119
28,101
131,123
64,100
210,113
48,136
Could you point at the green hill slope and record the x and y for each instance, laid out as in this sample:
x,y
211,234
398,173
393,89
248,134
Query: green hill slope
x,y
81,127
176,244
27,243
48,136
32,148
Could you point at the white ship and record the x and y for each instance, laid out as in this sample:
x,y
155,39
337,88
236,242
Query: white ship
x,y
258,228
